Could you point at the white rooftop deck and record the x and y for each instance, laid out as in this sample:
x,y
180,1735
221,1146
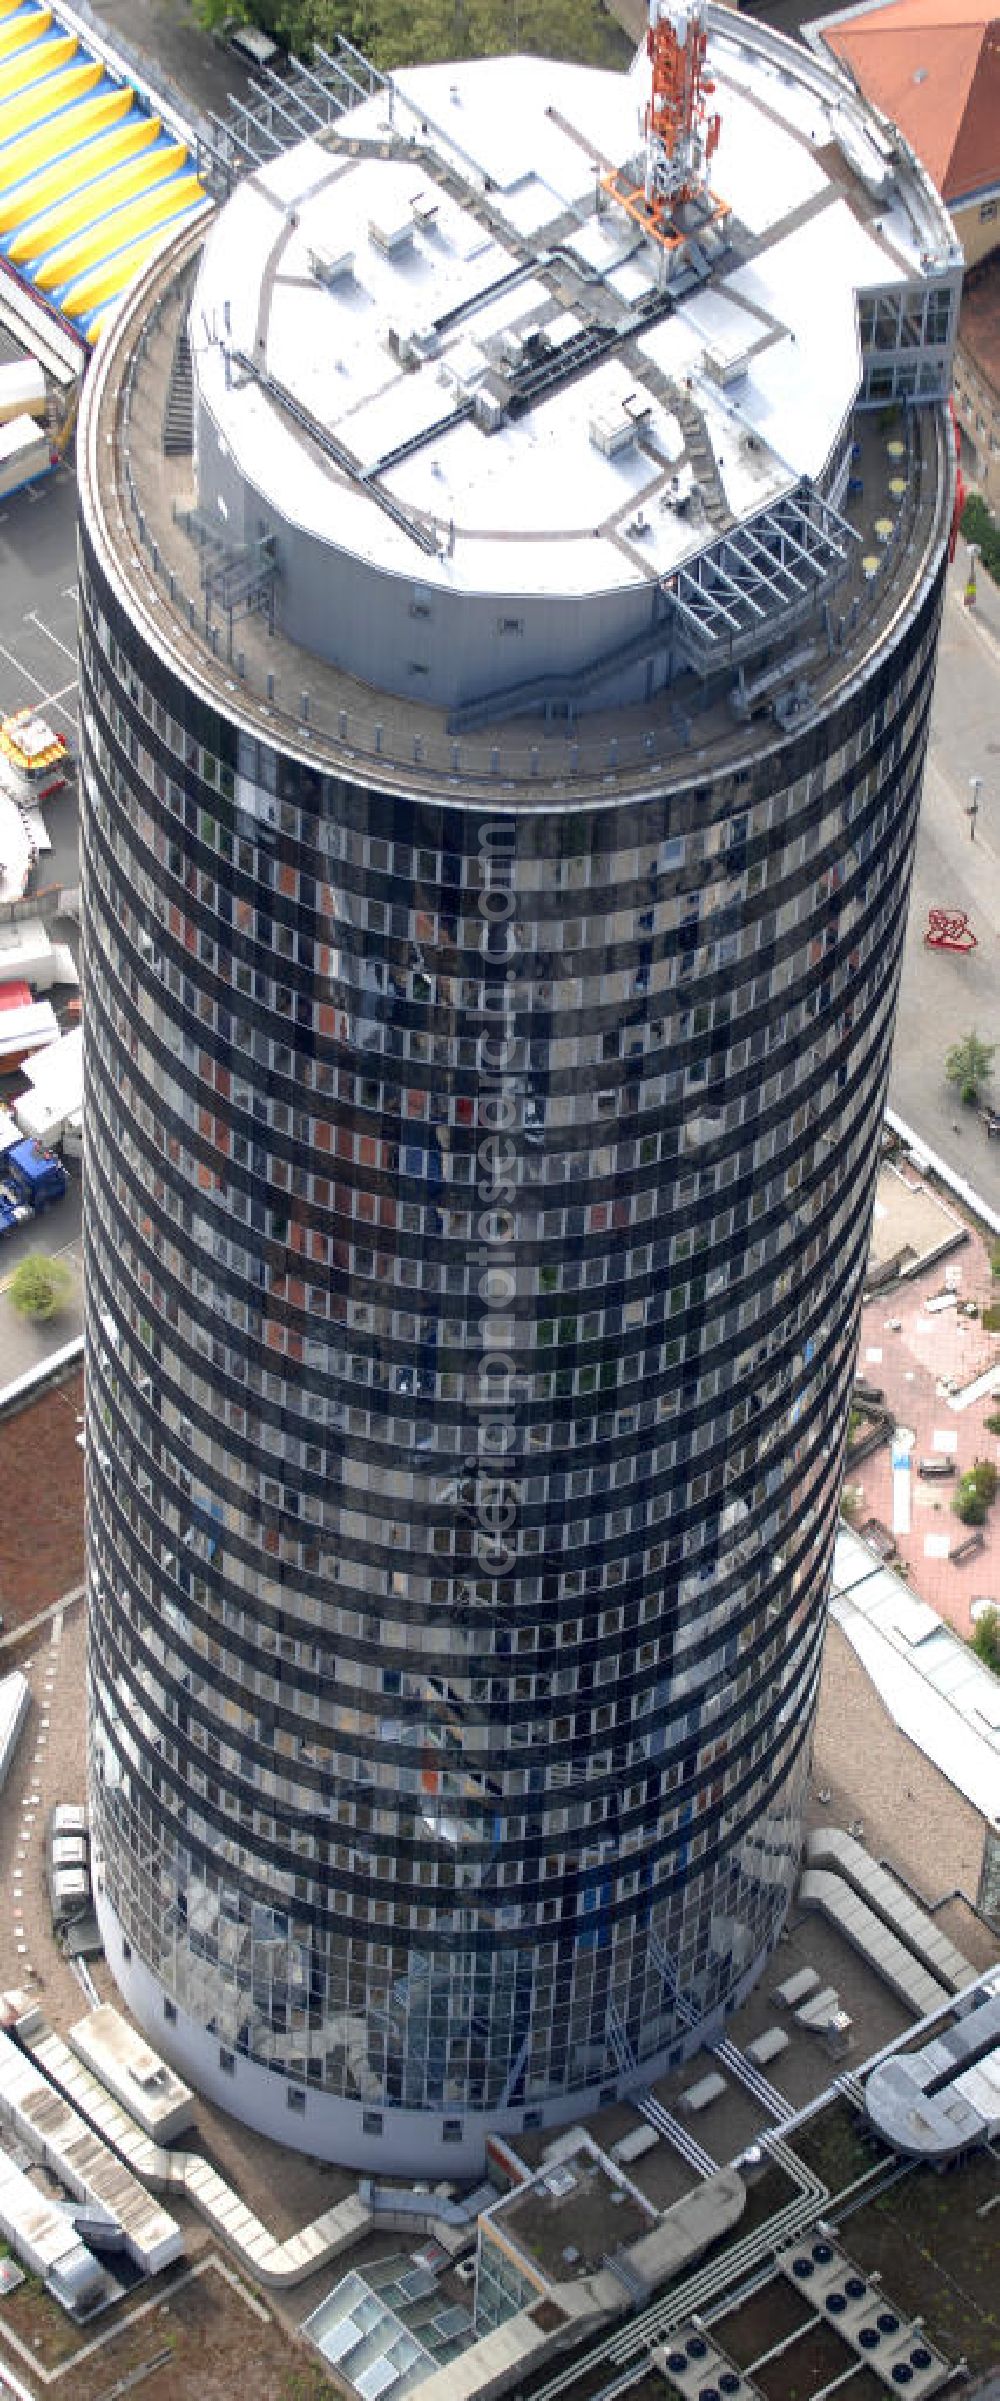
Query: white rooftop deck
x,y
66,2089
932,1684
55,2131
534,508
134,2074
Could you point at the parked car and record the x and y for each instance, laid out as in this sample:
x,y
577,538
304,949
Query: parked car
x,y
255,48
67,1864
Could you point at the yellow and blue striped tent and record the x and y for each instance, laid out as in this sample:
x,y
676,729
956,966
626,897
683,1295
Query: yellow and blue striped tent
x,y
91,182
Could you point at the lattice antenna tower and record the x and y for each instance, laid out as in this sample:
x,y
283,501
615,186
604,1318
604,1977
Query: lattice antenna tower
x,y
681,135
673,203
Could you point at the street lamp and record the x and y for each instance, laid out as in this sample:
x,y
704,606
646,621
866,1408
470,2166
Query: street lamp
x,y
972,804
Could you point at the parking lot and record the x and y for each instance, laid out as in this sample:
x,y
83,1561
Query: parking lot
x,y
38,638
38,669
37,662
38,597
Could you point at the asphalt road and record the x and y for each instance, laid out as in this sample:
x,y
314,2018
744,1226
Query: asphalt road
x,y
945,995
175,51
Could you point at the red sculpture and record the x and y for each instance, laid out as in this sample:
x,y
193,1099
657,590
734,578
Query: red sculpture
x,y
949,929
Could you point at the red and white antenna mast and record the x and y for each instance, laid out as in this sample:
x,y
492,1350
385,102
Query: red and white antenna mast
x,y
681,136
674,202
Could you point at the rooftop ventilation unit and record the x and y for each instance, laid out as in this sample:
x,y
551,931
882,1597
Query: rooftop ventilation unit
x,y
870,158
329,266
392,236
413,344
490,411
517,345
613,434
679,489
727,369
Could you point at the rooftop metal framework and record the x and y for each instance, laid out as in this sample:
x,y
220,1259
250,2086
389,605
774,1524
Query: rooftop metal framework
x,y
236,578
337,451
750,589
285,109
760,578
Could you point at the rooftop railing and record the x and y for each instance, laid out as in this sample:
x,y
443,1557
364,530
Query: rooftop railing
x,y
550,758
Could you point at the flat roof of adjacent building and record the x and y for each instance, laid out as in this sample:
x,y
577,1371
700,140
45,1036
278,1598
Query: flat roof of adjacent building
x,y
574,2212
932,1684
911,1221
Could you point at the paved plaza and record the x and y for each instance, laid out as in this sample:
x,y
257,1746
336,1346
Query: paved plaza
x,y
930,1358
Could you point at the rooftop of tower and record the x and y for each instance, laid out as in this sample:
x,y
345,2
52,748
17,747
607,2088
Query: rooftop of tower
x,y
470,445
446,292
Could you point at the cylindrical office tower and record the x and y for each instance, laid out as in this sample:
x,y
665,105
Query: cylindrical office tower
x,y
507,640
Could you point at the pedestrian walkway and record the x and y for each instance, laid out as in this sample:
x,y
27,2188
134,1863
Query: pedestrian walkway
x,y
945,996
925,1349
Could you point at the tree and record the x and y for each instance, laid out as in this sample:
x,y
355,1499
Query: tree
x,y
975,1492
982,1476
969,1505
399,33
980,527
40,1287
986,1639
969,1063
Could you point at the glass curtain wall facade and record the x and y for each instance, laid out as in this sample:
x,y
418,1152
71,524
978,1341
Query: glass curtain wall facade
x,y
477,1207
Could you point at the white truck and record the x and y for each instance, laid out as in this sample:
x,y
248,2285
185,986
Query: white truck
x,y
255,48
25,454
22,390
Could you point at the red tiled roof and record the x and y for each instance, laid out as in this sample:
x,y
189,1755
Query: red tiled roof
x,y
934,67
